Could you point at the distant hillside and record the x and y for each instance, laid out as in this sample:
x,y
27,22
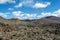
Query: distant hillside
x,y
48,19
47,28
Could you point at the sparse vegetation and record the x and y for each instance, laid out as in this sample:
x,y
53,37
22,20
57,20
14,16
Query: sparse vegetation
x,y
21,30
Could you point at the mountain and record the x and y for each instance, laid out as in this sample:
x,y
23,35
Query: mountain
x,y
47,28
48,19
53,18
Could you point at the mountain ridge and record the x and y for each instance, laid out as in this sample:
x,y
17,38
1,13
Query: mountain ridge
x,y
47,28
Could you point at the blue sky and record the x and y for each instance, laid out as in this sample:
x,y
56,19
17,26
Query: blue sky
x,y
29,9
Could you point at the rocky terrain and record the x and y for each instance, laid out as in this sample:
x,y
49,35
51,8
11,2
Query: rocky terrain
x,y
47,28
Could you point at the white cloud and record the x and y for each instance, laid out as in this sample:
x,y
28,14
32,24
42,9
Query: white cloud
x,y
7,1
19,5
22,15
31,3
55,13
58,11
41,5
27,3
10,9
4,14
16,13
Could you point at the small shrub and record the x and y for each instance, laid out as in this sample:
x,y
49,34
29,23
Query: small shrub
x,y
29,25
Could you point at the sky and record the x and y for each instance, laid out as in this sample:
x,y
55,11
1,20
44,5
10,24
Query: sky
x,y
29,9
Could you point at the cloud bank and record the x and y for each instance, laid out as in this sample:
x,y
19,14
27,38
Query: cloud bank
x,y
41,5
21,15
6,1
32,4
